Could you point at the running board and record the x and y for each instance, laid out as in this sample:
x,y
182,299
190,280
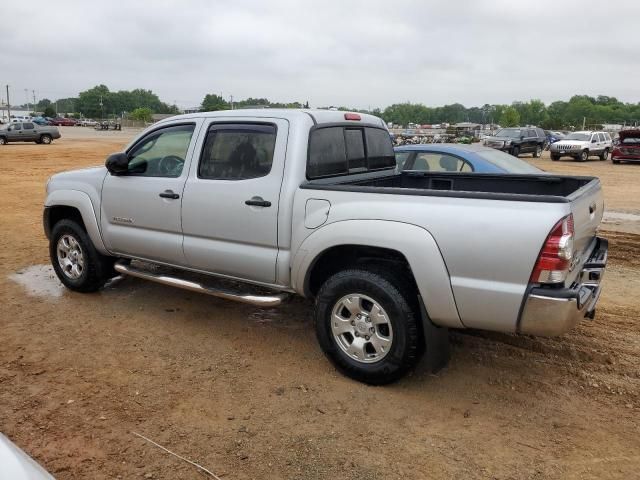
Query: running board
x,y
257,300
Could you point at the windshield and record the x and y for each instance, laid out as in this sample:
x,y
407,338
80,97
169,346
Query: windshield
x,y
631,141
507,162
509,133
583,137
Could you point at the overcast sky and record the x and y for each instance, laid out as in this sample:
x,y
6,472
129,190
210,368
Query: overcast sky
x,y
343,52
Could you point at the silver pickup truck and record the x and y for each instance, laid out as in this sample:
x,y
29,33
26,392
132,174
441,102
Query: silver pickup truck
x,y
28,132
309,202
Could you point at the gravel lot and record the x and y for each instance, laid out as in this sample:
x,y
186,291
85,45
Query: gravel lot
x,y
247,393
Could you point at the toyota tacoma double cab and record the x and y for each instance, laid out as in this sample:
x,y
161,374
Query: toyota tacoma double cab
x,y
309,202
582,145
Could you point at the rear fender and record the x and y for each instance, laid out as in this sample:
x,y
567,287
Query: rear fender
x,y
415,243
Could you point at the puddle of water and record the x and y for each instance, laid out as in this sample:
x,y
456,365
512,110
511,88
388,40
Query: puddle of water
x,y
615,216
39,281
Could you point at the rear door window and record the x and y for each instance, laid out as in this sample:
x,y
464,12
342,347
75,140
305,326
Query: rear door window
x,y
237,152
27,126
601,137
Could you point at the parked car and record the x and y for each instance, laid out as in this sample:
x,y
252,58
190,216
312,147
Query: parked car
x,y
459,158
310,202
519,140
28,132
582,145
628,147
63,122
87,122
41,121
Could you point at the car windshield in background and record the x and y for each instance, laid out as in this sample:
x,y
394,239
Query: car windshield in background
x,y
509,132
583,137
507,162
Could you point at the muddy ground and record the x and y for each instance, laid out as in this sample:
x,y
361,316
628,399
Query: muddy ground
x,y
248,394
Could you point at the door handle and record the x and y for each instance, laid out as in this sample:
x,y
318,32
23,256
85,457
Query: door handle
x,y
169,194
258,202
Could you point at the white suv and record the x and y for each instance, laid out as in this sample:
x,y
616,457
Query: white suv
x,y
582,145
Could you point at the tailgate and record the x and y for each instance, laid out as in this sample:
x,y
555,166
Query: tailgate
x,y
587,206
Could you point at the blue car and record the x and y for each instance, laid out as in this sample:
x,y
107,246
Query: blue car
x,y
454,157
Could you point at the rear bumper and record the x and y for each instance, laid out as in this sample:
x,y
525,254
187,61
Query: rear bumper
x,y
552,312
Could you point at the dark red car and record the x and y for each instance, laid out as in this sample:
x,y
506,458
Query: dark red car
x,y
628,147
63,122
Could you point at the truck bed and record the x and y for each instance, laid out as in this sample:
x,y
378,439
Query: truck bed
x,y
524,188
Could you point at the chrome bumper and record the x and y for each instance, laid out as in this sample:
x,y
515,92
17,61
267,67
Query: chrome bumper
x,y
551,312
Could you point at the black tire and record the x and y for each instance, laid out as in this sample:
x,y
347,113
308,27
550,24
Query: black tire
x,y
515,151
584,156
46,139
605,154
555,157
97,267
398,298
616,162
537,152
3,141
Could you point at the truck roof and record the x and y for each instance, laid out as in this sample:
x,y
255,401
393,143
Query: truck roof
x,y
318,116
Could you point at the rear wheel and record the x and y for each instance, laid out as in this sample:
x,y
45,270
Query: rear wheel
x,y
537,152
46,139
605,154
367,325
77,263
584,156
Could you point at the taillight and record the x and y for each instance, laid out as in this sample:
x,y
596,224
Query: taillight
x,y
554,261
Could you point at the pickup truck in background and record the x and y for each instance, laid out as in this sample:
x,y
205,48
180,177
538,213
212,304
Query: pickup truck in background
x,y
309,202
28,132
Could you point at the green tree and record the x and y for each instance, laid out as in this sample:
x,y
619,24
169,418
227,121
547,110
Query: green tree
x,y
510,117
142,113
49,111
213,102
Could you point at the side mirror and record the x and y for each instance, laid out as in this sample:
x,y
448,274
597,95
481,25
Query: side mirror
x,y
117,163
593,141
521,137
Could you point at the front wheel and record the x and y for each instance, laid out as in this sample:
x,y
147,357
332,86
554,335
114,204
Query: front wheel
x,y
515,151
367,325
555,157
77,263
584,156
605,154
3,141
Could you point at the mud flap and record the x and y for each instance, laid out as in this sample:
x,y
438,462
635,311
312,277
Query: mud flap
x,y
436,341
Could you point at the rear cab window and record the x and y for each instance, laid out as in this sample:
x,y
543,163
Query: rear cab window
x,y
340,150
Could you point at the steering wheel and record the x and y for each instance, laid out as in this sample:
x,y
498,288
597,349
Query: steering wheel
x,y
171,165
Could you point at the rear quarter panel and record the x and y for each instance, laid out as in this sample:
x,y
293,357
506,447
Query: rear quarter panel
x,y
488,247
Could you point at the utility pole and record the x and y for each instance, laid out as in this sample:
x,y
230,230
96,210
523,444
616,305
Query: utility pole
x,y
8,104
101,109
231,102
34,100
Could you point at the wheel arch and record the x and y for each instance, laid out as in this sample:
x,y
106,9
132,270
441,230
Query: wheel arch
x,y
342,244
74,205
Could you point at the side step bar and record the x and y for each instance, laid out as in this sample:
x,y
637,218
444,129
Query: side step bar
x,y
257,300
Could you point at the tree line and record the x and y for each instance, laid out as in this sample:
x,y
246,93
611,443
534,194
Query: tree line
x,y
100,102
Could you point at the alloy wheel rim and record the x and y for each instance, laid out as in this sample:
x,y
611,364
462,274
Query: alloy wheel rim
x,y
70,257
361,328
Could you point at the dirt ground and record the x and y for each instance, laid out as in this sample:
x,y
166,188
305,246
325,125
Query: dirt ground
x,y
248,394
